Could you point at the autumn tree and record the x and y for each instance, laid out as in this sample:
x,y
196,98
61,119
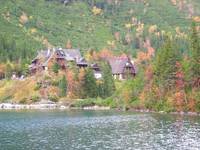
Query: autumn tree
x,y
80,83
180,88
195,57
69,44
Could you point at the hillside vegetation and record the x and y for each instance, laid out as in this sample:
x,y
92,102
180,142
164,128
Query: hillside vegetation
x,y
92,24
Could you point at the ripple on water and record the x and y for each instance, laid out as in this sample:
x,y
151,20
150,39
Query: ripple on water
x,y
93,131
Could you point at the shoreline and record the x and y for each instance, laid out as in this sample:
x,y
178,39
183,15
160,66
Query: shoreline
x,y
54,106
9,106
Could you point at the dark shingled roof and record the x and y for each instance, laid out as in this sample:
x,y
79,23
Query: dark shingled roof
x,y
82,61
72,54
68,54
118,65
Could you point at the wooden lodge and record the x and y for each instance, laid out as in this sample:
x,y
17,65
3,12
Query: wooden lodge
x,y
46,58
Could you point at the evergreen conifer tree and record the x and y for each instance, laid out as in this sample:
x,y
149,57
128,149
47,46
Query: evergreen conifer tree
x,y
63,86
108,85
165,65
90,86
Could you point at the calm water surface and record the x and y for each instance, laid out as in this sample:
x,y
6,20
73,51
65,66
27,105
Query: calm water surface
x,y
90,130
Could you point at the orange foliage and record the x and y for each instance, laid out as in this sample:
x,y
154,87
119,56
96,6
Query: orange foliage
x,y
2,68
180,93
128,38
179,100
23,18
196,18
117,36
180,77
105,53
191,105
145,56
96,10
149,73
46,43
53,91
70,82
69,44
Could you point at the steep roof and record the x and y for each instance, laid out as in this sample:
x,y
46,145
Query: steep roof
x,y
118,65
68,54
82,61
72,54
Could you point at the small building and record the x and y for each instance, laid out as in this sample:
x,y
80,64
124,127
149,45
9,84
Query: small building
x,y
122,68
82,63
97,71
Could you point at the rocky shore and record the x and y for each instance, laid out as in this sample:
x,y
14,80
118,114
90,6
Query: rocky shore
x,y
10,106
51,105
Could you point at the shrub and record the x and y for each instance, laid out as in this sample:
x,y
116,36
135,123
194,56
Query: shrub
x,y
53,98
37,87
35,98
23,101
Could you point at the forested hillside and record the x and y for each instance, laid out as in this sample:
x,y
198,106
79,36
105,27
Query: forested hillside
x,y
119,25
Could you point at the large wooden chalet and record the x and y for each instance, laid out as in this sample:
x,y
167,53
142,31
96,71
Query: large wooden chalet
x,y
46,58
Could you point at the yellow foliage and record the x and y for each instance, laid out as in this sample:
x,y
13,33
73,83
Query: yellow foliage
x,y
153,28
6,15
23,18
33,30
163,32
111,43
46,43
140,28
174,2
128,25
96,10
20,25
23,90
196,18
17,90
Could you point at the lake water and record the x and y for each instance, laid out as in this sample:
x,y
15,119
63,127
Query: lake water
x,y
97,130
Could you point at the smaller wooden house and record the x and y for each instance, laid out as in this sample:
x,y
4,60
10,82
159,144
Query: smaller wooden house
x,y
122,68
82,63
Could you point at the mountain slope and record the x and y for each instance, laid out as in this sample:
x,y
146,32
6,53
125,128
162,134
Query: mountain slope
x,y
118,26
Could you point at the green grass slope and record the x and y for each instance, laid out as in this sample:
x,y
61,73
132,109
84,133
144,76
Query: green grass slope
x,y
52,23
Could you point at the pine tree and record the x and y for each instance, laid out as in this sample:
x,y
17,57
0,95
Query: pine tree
x,y
165,65
63,86
195,57
108,85
55,67
90,86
